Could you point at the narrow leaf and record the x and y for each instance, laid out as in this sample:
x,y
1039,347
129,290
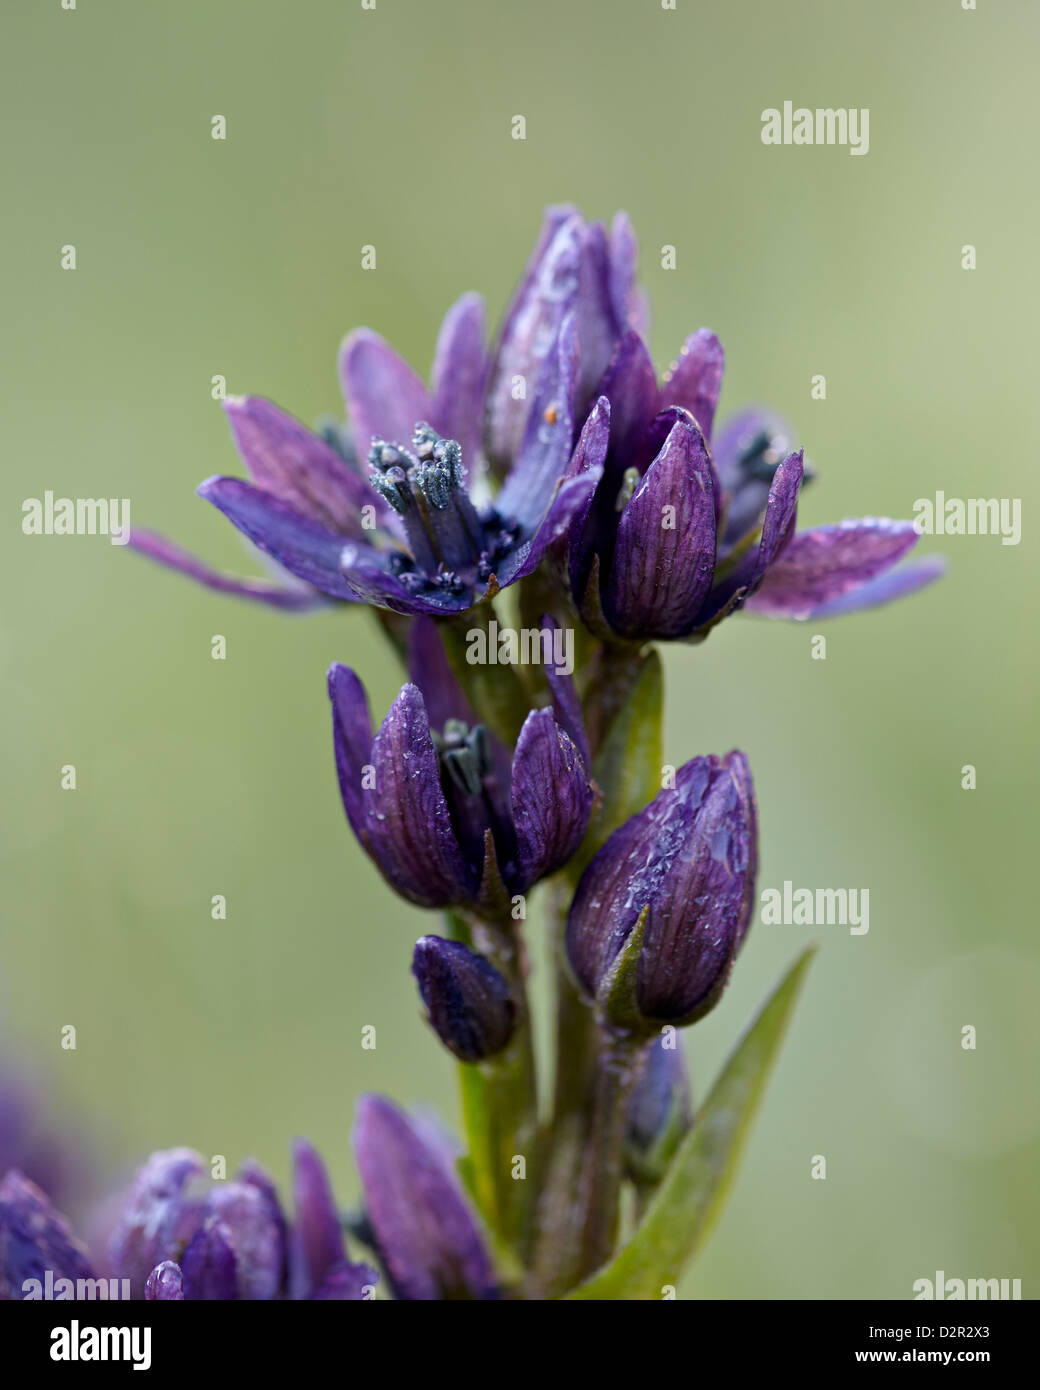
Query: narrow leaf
x,y
690,1197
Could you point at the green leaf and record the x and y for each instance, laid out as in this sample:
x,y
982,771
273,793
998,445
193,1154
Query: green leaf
x,y
691,1195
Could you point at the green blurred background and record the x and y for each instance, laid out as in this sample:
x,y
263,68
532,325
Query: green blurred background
x,y
198,777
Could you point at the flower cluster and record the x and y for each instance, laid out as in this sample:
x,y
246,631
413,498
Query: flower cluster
x,y
558,466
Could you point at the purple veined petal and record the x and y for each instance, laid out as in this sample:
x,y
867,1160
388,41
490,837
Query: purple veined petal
x,y
590,453
430,669
298,467
316,1246
573,498
899,582
739,769
565,702
551,795
209,1267
631,871
624,257
408,829
347,1283
695,379
429,1240
164,552
384,395
547,293
548,438
468,1002
301,546
365,572
351,740
160,1215
827,562
664,558
630,384
255,1234
599,326
460,369
165,1284
694,927
34,1239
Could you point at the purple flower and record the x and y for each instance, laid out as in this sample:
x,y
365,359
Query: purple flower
x,y
435,800
179,1238
415,530
35,1240
467,1001
681,534
424,1230
683,870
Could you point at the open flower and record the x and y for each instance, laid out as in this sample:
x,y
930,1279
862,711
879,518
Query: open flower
x,y
682,873
435,800
680,534
413,528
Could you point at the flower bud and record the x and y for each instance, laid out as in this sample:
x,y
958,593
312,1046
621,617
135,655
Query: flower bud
x,y
661,910
468,1002
659,1112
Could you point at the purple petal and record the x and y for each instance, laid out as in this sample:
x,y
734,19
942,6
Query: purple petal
x,y
590,453
408,830
365,571
173,557
661,573
630,385
34,1238
547,293
686,856
694,381
351,740
573,498
599,325
384,396
316,1248
427,1237
299,468
552,797
209,1266
255,1234
468,1003
165,1284
566,705
430,669
824,564
546,449
301,546
624,256
460,369
899,582
159,1216
347,1283
767,438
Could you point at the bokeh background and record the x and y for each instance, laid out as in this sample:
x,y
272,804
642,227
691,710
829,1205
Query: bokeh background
x,y
198,777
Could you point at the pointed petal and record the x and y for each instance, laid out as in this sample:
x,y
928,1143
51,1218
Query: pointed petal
x,y
366,573
573,498
209,1266
159,1215
665,553
590,452
384,396
624,256
407,824
164,552
301,546
429,1240
460,369
351,739
34,1239
316,1245
468,1003
299,468
630,385
599,326
566,705
546,294
695,379
256,1235
551,797
546,449
827,562
900,582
